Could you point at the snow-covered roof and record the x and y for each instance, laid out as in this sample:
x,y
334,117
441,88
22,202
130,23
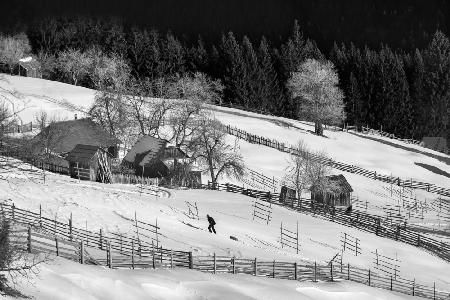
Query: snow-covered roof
x,y
26,59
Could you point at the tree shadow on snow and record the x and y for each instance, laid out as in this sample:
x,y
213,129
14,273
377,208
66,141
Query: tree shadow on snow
x,y
433,169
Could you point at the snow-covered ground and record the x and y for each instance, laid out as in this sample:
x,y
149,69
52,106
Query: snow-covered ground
x,y
66,280
111,206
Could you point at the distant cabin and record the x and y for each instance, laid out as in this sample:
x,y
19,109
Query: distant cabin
x,y
61,137
436,143
88,162
29,67
341,195
152,157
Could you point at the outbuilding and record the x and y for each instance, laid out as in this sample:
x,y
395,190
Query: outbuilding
x,y
87,162
338,195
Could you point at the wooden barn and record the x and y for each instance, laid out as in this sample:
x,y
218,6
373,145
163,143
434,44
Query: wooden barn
x,y
61,137
340,195
152,157
88,162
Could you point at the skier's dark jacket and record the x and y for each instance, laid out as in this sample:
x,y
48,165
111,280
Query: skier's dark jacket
x,y
211,221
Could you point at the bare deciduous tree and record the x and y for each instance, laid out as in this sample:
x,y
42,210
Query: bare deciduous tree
x,y
308,168
196,91
110,75
211,152
315,86
74,64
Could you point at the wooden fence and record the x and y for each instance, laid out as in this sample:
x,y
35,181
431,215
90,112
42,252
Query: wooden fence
x,y
361,220
82,173
408,183
42,235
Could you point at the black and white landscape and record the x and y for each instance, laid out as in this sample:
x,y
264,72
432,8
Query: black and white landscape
x,y
314,134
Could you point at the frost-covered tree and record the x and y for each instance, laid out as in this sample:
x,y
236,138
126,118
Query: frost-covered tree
x,y
74,64
13,48
213,154
315,87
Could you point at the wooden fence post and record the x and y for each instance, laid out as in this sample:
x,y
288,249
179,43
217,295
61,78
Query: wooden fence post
x,y
55,225
132,254
413,287
297,237
40,215
70,227
315,271
191,262
331,271
281,234
171,259
57,246
101,239
214,263
295,271
255,268
391,282
157,239
348,271
13,214
369,277
82,252
153,256
233,264
273,269
29,240
109,256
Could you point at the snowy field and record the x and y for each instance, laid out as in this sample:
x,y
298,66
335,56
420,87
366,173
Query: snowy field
x,y
112,206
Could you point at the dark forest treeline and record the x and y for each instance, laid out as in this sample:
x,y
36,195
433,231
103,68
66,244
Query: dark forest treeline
x,y
407,93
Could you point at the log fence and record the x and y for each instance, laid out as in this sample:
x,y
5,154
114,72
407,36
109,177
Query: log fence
x,y
409,183
357,219
33,238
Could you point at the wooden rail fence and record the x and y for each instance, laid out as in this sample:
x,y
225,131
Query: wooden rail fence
x,y
361,220
409,183
81,248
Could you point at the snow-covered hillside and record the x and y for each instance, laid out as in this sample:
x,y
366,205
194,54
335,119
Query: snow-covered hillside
x,y
110,207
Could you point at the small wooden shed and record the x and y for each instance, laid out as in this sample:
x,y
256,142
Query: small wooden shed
x,y
338,195
29,67
88,162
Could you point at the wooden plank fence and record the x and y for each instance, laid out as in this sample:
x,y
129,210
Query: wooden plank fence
x,y
255,139
361,220
73,246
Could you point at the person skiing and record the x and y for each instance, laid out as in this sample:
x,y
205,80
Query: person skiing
x,y
211,224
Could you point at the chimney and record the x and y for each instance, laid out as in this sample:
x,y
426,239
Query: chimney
x,y
76,117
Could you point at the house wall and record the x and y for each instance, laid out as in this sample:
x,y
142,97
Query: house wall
x,y
341,200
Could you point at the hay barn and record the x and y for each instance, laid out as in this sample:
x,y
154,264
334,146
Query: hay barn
x,y
341,195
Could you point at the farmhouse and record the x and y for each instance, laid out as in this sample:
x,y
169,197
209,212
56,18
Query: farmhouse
x,y
61,137
340,194
153,157
88,162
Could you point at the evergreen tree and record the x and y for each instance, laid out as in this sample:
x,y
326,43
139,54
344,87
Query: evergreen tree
x,y
253,75
233,68
271,93
437,85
